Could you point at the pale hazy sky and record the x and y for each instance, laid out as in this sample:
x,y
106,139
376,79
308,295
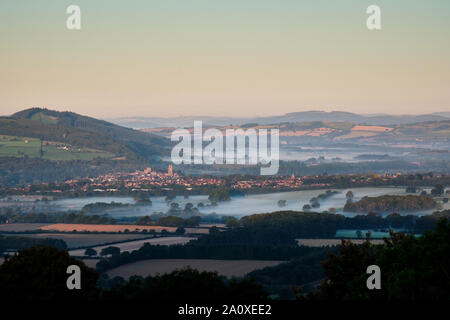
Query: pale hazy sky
x,y
227,57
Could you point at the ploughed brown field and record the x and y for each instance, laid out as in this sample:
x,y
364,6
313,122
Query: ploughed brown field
x,y
229,268
372,128
67,227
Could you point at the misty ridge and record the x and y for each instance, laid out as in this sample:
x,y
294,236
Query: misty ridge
x,y
304,116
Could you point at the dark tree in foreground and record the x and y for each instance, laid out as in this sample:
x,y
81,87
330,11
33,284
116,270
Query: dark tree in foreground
x,y
40,273
411,268
185,285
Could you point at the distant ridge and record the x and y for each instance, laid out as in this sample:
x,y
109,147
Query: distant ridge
x,y
442,114
305,116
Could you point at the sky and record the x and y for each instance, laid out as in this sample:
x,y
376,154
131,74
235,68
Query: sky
x,y
224,58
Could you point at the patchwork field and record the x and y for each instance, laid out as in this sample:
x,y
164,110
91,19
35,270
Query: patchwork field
x,y
229,268
210,225
356,134
89,262
372,128
21,227
84,240
67,227
135,245
31,147
331,242
197,230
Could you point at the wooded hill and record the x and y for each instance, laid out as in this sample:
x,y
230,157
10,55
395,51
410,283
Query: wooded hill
x,y
84,132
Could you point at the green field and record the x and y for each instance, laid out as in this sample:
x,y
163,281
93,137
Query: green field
x,y
14,146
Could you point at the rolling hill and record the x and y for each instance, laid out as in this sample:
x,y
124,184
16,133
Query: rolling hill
x,y
336,131
306,116
75,133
